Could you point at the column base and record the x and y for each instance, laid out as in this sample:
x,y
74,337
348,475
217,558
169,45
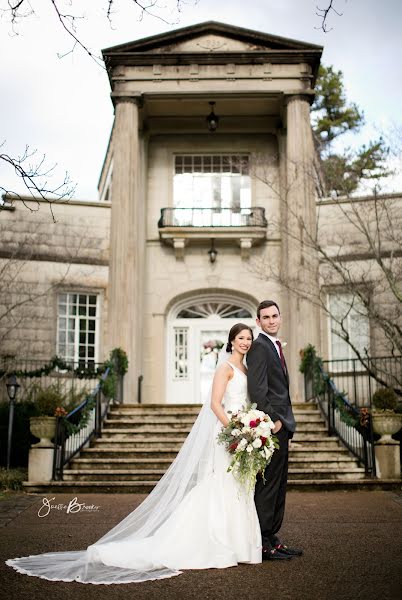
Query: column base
x,y
387,459
40,464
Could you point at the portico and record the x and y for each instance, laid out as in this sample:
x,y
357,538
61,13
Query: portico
x,y
163,161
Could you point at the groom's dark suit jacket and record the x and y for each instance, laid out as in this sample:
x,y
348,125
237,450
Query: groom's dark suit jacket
x,y
268,382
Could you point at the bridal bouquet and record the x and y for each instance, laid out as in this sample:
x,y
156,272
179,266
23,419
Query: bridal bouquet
x,y
248,438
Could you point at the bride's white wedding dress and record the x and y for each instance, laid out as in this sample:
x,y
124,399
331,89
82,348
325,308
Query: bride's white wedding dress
x,y
197,517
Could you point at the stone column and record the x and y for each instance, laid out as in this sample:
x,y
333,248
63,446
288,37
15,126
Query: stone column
x,y
127,231
300,264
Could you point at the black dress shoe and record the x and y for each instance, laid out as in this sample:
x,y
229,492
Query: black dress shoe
x,y
289,551
275,554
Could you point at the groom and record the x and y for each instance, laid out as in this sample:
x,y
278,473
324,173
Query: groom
x,y
268,385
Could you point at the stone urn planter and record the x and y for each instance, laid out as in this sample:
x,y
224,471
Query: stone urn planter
x,y
43,428
386,423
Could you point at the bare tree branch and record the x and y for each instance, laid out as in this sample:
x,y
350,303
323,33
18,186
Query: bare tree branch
x,y
323,14
35,178
21,9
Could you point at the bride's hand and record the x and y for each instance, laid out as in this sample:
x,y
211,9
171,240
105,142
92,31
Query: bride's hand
x,y
278,426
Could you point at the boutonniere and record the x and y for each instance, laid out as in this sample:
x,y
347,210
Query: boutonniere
x,y
283,344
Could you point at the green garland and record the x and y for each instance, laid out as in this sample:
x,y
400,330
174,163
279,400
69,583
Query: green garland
x,y
60,363
72,428
117,365
312,366
345,412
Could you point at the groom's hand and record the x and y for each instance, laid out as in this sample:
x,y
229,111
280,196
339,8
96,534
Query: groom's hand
x,y
278,425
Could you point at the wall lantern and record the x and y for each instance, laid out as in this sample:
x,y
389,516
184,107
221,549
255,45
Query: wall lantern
x,y
12,388
213,252
212,118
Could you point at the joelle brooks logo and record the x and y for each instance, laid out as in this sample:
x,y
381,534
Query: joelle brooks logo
x,y
72,507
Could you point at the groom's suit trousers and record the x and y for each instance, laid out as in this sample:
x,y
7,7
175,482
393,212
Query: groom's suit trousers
x,y
270,496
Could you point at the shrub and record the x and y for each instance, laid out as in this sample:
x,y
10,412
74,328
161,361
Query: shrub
x,y
385,399
12,479
22,437
47,400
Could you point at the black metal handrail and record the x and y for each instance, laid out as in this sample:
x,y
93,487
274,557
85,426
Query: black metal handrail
x,y
71,435
360,381
212,217
351,425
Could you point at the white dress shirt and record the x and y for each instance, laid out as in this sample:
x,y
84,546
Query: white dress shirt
x,y
273,340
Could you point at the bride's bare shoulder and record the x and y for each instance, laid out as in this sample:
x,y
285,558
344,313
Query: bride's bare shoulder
x,y
224,371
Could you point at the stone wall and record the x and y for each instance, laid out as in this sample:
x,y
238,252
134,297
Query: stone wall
x,y
40,258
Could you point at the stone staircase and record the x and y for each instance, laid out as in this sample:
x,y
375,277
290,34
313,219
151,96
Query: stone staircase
x,y
139,442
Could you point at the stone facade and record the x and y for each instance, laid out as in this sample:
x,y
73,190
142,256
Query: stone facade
x,y
145,269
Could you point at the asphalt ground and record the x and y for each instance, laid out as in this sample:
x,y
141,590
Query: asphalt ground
x,y
352,543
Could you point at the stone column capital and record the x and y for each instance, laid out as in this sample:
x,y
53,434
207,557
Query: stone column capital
x,y
135,98
306,96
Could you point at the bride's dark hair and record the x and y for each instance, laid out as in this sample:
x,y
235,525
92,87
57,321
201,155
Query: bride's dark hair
x,y
234,331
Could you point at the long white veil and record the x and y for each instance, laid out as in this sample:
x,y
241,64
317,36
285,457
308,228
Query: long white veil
x,y
193,463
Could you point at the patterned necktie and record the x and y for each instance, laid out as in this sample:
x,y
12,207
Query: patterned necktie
x,y
281,355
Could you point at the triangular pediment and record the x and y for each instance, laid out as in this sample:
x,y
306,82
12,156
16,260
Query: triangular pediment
x,y
210,37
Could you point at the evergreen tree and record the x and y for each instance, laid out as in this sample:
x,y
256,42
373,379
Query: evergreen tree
x,y
333,116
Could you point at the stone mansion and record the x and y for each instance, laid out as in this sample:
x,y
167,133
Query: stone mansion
x,y
209,171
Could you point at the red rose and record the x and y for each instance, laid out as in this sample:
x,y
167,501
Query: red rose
x,y
258,421
233,446
263,440
253,423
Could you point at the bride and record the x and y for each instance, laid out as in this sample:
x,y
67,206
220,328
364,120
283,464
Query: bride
x,y
197,517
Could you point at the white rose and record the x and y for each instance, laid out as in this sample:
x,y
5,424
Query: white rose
x,y
257,443
242,444
268,452
264,427
246,429
235,432
249,448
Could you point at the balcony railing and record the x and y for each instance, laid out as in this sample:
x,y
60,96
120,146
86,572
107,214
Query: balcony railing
x,y
212,217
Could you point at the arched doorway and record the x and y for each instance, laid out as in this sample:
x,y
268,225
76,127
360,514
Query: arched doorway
x,y
197,330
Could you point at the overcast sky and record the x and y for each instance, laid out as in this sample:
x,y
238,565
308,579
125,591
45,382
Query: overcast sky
x,y
62,107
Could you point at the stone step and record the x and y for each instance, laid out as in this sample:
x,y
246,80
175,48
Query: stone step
x,y
118,442
147,434
111,451
154,475
149,426
112,475
125,421
315,417
327,473
137,487
324,453
132,464
308,465
121,463
152,409
305,406
142,419
315,444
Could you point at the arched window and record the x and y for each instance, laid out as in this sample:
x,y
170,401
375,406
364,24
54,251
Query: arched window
x,y
206,310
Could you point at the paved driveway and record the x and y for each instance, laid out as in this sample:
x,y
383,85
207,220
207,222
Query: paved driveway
x,y
352,543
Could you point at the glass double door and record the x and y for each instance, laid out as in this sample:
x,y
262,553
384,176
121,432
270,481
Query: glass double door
x,y
193,349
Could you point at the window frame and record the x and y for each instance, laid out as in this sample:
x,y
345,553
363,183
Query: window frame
x,y
222,154
346,362
97,329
